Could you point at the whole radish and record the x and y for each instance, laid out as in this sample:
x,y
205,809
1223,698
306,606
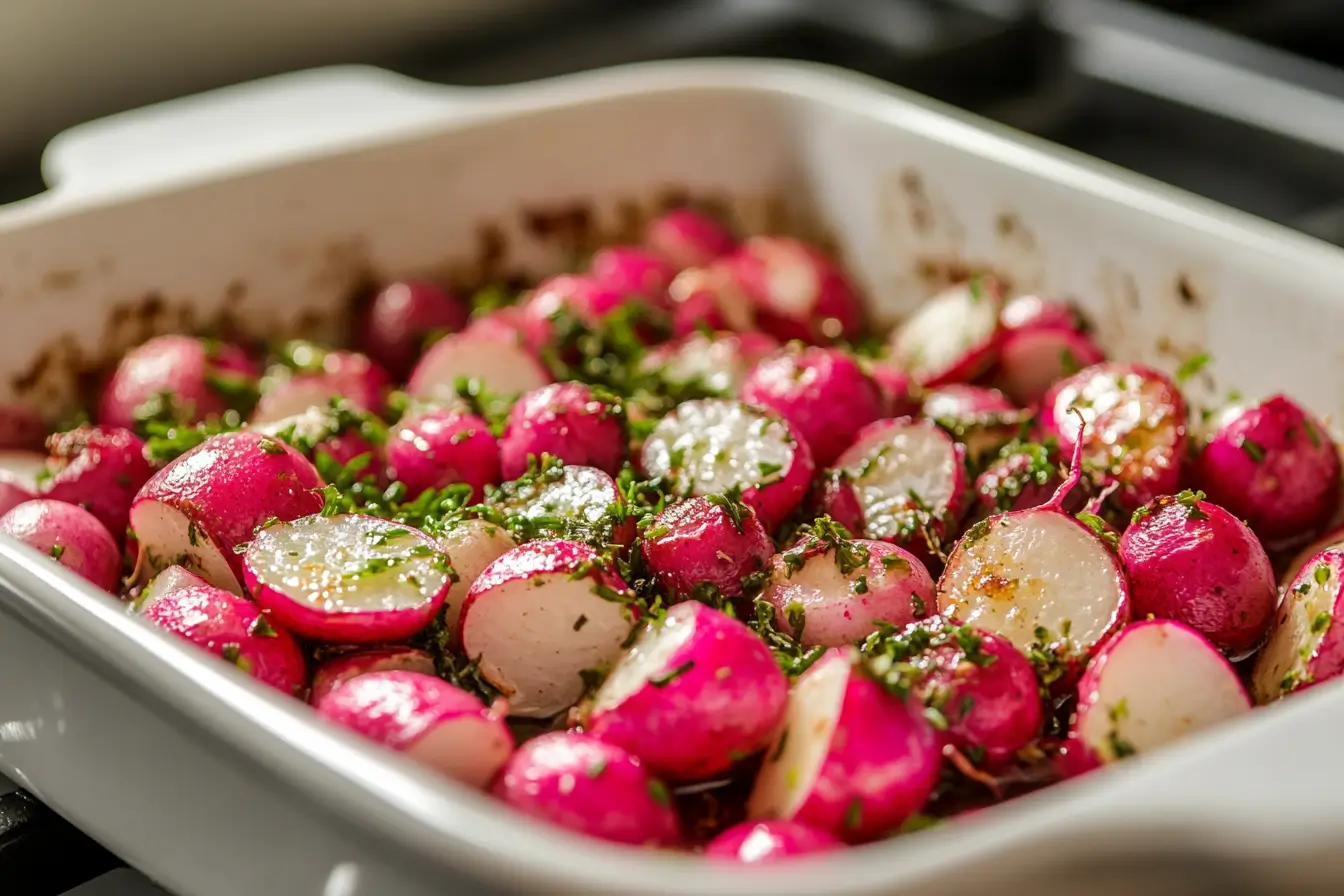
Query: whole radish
x,y
319,377
1023,475
100,468
717,363
953,337
797,291
706,544
901,395
709,446
200,507
850,758
174,578
831,591
688,238
1190,560
502,366
983,420
758,842
336,671
590,787
429,720
349,579
582,296
578,615
902,481
68,534
711,297
1153,683
1306,642
1132,424
442,447
1041,579
555,500
189,377
472,545
402,318
234,629
822,392
633,272
696,693
569,421
514,325
1274,465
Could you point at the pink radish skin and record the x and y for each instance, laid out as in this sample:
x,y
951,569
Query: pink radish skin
x,y
472,545
687,238
196,510
234,629
174,578
633,272
1306,642
502,366
431,721
1038,568
336,671
348,579
349,376
540,615
898,390
1031,312
707,447
1125,405
711,297
849,758
822,392
1275,466
992,704
567,421
899,478
580,496
696,542
515,325
440,448
70,535
1018,479
983,420
840,608
184,366
583,296
1192,561
100,468
953,337
719,363
322,428
760,842
402,317
797,291
697,693
1034,359
1155,682
576,781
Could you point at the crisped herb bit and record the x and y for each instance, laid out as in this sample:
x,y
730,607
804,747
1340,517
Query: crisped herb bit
x,y
975,533
193,535
167,440
671,675
659,793
712,595
1190,501
1312,435
1253,449
337,419
1120,748
1290,681
1118,710
793,657
918,606
57,551
592,679
270,445
232,652
580,622
861,585
1039,469
796,616
895,562
261,627
1068,364
1050,656
730,502
765,469
1191,367
491,407
934,716
1100,529
849,555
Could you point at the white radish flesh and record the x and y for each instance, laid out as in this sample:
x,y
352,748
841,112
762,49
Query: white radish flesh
x,y
171,579
1306,641
471,545
953,336
504,368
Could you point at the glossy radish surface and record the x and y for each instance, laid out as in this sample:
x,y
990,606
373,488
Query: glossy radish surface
x,y
193,378
171,579
1306,640
757,842
69,535
471,545
707,547
567,421
336,671
402,318
443,447
100,468
953,337
347,579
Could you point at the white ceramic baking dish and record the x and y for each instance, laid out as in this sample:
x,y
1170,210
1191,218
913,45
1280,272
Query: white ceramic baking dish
x,y
267,204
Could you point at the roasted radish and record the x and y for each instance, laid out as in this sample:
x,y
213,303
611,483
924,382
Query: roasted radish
x,y
953,337
797,292
688,238
177,376
431,721
714,363
100,468
758,842
68,534
337,670
472,545
706,547
983,420
568,421
402,318
442,447
1023,475
502,366
348,579
554,500
634,273
174,578
1306,643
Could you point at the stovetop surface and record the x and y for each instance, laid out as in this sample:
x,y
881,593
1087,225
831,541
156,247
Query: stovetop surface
x,y
1175,89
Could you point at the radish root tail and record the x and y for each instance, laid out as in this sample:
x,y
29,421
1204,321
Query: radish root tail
x,y
1075,466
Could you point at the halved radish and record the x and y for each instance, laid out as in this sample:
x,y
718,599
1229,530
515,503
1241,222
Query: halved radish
x,y
349,579
1032,360
174,578
198,509
325,376
696,693
716,362
514,325
339,669
577,782
1132,424
1038,577
69,535
902,481
539,617
757,842
711,297
1028,312
1023,475
503,367
472,545
953,337
1306,642
402,317
836,591
688,238
709,446
565,501
797,291
1153,683
433,722
850,758
983,420
1334,538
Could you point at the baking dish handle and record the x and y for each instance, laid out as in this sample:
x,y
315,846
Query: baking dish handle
x,y
235,127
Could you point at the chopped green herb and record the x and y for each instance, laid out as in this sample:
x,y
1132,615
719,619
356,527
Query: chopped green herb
x,y
861,585
779,746
1119,710
57,551
231,652
659,793
1321,574
596,767
1254,450
1191,367
662,681
765,469
935,718
261,627
1068,363
1320,623
854,814
918,606
1099,527
1190,500
731,503
270,445
1120,748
